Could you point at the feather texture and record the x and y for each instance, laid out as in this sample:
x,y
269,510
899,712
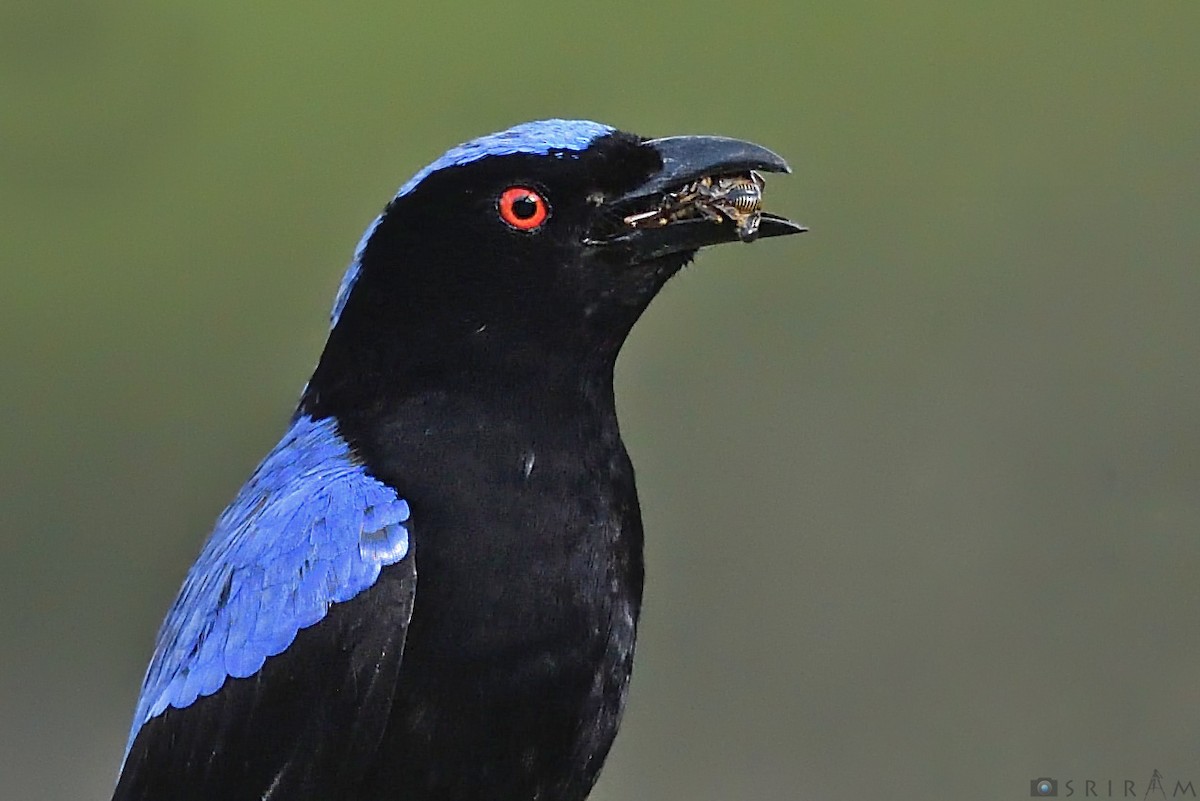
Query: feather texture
x,y
311,528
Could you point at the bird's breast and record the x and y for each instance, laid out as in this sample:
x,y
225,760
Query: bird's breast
x,y
525,522
529,571
538,551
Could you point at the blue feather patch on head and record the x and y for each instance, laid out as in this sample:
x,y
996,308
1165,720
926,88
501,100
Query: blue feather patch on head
x,y
539,138
309,529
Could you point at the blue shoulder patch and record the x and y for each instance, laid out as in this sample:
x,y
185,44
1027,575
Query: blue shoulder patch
x,y
538,138
309,529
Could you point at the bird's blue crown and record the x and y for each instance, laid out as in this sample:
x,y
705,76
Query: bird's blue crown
x,y
539,138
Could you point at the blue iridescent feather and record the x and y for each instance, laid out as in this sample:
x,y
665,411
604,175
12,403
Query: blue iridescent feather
x,y
538,138
309,529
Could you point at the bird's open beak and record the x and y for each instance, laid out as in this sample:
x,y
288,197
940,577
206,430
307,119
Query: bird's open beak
x,y
708,191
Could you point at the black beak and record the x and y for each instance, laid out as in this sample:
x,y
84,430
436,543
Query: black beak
x,y
688,203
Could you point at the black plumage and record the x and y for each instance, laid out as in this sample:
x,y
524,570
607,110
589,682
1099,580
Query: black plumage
x,y
470,371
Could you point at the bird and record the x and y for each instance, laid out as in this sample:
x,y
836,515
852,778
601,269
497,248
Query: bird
x,y
429,589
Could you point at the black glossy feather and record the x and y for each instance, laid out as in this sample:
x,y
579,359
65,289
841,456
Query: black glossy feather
x,y
469,374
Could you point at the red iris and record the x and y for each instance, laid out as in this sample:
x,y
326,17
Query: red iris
x,y
523,208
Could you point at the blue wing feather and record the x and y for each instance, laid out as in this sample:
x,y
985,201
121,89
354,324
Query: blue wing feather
x,y
309,529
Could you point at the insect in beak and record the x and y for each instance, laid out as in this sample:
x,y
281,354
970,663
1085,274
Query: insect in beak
x,y
737,198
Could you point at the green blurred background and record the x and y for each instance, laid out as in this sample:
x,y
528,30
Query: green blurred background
x,y
921,488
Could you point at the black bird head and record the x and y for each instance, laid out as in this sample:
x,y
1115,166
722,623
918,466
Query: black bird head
x,y
540,243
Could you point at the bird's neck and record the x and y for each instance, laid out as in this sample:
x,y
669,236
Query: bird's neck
x,y
369,372
523,504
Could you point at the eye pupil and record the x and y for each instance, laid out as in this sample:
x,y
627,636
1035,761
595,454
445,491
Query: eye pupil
x,y
524,207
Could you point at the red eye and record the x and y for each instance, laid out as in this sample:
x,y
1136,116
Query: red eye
x,y
523,208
